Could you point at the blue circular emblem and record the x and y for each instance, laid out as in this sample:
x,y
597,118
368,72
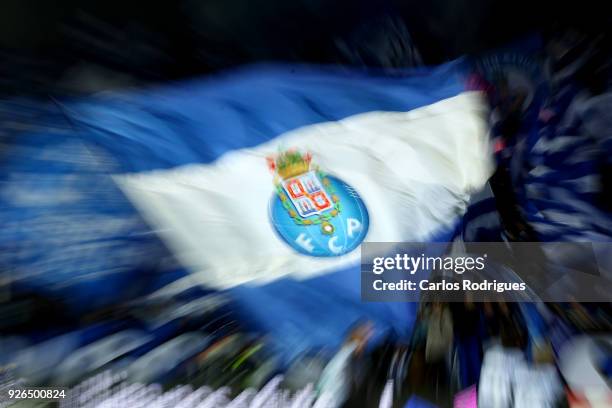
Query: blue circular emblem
x,y
318,214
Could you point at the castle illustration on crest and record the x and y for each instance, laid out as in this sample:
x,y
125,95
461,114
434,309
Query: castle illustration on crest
x,y
304,190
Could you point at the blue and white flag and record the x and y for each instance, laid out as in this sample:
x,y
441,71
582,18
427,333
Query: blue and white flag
x,y
267,179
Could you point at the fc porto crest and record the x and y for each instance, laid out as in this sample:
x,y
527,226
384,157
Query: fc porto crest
x,y
316,213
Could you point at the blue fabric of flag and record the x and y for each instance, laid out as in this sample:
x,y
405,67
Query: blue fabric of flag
x,y
198,121
194,121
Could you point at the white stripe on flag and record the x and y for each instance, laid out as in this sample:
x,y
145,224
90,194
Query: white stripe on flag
x,y
414,171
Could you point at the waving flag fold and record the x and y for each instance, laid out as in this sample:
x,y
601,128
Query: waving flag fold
x,y
383,159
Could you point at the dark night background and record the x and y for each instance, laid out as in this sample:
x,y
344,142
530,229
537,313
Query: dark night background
x,y
97,44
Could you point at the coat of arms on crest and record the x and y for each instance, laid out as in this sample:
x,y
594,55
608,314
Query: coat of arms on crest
x,y
305,191
314,200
